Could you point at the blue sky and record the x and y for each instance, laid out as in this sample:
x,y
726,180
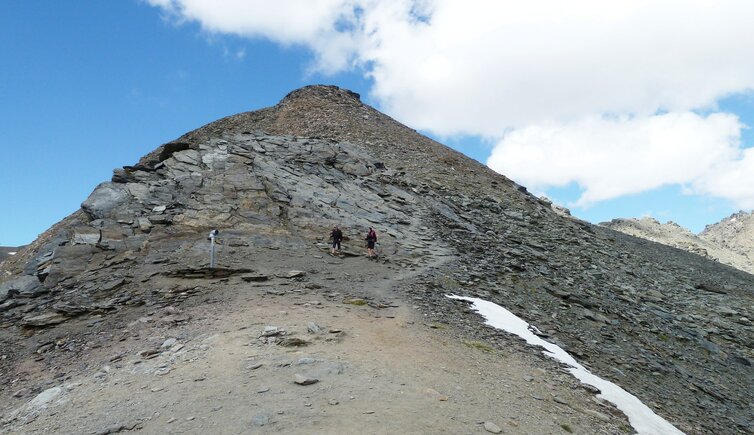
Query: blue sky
x,y
90,86
86,87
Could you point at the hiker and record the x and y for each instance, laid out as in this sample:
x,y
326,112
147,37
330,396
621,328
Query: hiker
x,y
337,236
371,240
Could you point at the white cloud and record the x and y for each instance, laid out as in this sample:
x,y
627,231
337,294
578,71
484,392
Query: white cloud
x,y
733,180
484,67
291,21
313,23
610,157
611,81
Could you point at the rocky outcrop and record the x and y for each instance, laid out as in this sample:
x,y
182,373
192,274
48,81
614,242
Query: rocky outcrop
x,y
731,241
735,234
671,327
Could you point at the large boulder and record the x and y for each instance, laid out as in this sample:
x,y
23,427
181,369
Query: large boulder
x,y
105,198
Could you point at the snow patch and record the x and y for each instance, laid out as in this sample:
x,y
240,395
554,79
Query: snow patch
x,y
641,417
12,253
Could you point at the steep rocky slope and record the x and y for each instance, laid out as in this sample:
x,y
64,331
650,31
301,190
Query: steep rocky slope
x,y
671,327
730,241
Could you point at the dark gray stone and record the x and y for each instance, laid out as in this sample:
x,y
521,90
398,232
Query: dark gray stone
x,y
105,198
24,285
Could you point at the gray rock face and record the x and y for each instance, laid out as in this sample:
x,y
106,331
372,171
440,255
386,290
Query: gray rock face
x,y
86,236
24,285
671,327
105,198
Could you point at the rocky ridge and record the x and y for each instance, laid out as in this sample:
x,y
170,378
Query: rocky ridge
x,y
7,251
671,327
735,234
730,241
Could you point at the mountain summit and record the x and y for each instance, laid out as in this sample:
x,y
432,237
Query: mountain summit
x,y
734,233
118,300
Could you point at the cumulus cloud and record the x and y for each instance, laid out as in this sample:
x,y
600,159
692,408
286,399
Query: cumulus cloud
x,y
614,156
733,179
322,25
291,21
484,67
623,78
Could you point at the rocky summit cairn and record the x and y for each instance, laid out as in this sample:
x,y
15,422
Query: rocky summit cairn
x,y
672,328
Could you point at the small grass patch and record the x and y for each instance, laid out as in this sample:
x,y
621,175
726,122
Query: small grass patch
x,y
484,347
355,301
566,427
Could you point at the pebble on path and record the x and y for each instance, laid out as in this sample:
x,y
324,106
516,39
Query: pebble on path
x,y
492,427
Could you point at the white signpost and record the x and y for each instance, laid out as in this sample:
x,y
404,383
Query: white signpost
x,y
212,235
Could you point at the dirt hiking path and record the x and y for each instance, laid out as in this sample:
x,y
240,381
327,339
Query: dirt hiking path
x,y
227,358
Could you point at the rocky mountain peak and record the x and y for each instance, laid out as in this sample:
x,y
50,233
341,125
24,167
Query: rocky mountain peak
x,y
334,94
655,319
737,222
734,233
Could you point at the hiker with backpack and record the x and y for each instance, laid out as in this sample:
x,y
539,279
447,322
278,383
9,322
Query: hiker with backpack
x,y
336,235
371,241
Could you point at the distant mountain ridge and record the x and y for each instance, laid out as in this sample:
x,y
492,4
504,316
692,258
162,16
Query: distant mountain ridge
x,y
7,251
730,241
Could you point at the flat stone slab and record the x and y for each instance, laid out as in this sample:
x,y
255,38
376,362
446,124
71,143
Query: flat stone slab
x,y
300,379
293,342
292,274
255,278
47,319
205,273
